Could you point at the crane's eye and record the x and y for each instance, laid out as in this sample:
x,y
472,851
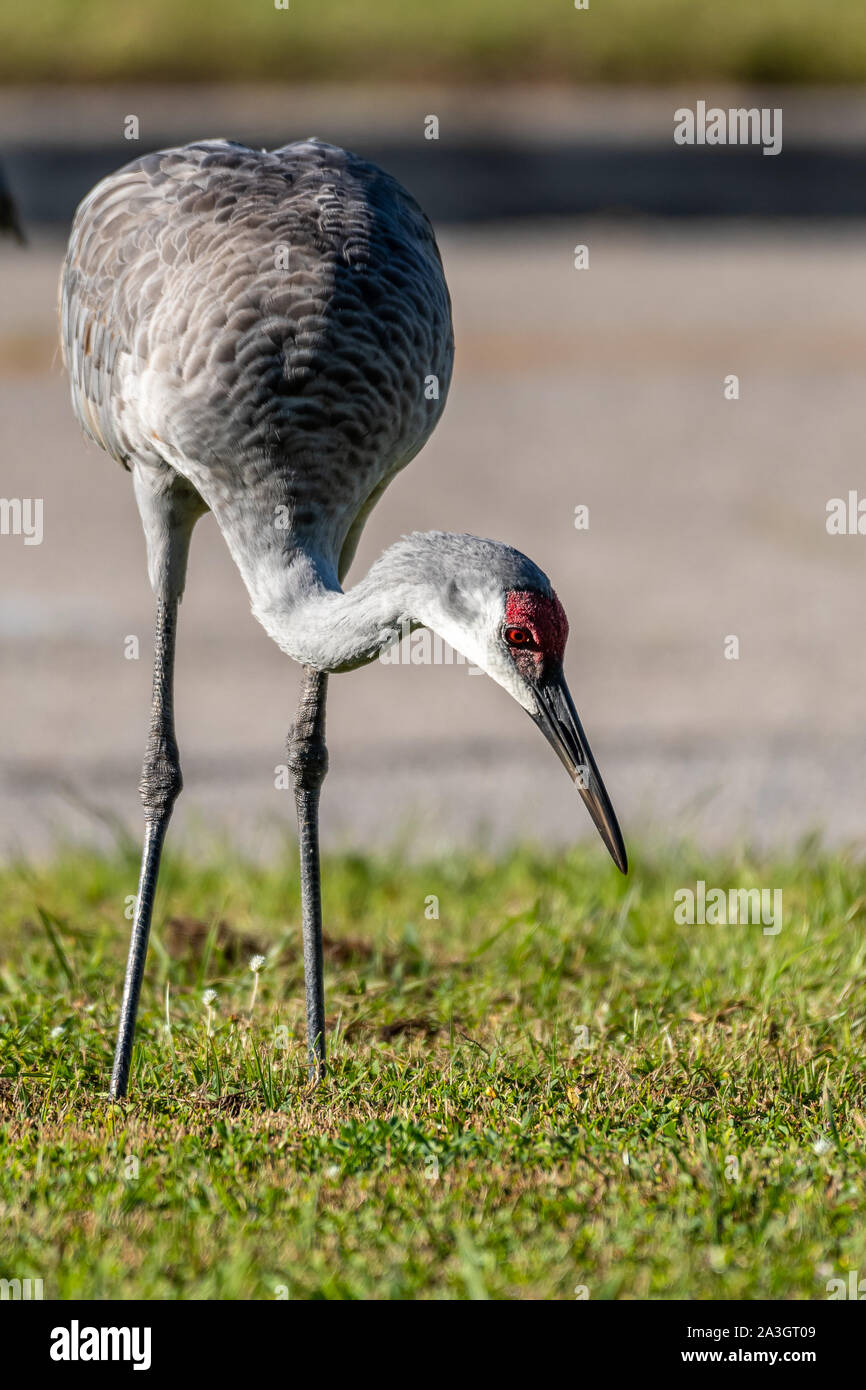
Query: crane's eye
x,y
518,637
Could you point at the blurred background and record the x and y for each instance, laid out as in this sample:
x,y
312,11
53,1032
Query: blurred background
x,y
601,387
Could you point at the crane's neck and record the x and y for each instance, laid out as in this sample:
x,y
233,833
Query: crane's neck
x,y
303,608
305,611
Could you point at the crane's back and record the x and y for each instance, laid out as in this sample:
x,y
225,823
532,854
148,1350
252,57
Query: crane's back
x,y
273,325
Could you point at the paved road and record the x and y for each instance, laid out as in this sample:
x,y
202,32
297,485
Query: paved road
x,y
601,388
502,152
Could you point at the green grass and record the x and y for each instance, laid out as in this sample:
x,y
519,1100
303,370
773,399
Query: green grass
x,y
614,40
707,1143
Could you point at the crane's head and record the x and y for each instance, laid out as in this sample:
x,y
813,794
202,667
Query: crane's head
x,y
498,608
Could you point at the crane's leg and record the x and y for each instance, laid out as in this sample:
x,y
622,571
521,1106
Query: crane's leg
x,y
308,763
160,784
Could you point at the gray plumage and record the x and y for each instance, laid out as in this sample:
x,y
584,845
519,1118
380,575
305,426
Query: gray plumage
x,y
262,324
268,335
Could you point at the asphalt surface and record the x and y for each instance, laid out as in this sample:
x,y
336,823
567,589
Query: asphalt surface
x,y
502,152
601,387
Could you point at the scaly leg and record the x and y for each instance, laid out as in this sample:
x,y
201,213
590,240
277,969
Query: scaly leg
x,y
160,784
308,763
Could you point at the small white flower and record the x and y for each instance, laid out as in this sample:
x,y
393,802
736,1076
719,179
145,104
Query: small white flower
x,y
255,965
209,998
821,1146
56,1033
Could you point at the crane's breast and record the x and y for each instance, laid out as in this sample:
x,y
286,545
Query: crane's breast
x,y
275,325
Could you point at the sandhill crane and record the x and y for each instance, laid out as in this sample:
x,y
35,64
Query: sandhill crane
x,y
262,334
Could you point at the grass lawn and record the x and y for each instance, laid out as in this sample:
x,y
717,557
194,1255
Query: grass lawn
x,y
612,40
553,1086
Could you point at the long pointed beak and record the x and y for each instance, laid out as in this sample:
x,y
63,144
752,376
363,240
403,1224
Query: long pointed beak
x,y
557,719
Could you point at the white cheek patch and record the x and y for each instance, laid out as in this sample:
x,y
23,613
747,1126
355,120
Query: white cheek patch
x,y
501,668
480,643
